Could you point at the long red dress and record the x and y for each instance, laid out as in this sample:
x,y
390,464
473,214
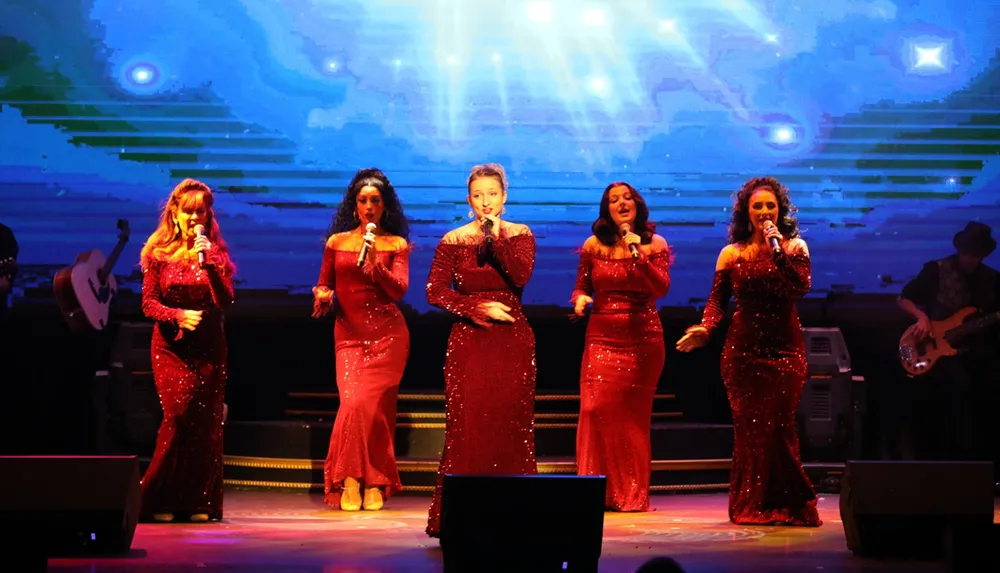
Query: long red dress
x,y
622,363
372,345
489,373
189,368
764,369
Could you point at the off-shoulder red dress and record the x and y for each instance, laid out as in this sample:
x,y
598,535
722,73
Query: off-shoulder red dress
x,y
764,369
372,345
622,363
489,371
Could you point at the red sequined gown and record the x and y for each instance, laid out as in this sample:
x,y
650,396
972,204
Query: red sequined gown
x,y
184,476
764,369
616,386
372,345
489,373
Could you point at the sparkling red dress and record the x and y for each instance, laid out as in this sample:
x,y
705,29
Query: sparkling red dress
x,y
616,386
372,345
489,373
764,369
189,368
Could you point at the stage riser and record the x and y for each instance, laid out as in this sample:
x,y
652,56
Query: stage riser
x,y
301,440
315,406
665,480
824,477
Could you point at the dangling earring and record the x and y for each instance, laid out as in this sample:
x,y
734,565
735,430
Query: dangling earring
x,y
503,210
177,227
750,227
471,214
354,215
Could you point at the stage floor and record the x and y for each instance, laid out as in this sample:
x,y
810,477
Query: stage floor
x,y
295,533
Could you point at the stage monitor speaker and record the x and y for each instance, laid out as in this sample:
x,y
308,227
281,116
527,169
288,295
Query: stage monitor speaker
x,y
909,509
826,352
68,505
522,523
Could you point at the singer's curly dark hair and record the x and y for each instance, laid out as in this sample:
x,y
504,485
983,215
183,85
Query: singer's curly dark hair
x,y
604,227
739,227
393,220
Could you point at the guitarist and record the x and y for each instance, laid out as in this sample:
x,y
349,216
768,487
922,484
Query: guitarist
x,y
10,406
954,400
8,264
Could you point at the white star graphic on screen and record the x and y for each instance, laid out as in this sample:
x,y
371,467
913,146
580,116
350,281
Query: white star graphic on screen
x,y
929,57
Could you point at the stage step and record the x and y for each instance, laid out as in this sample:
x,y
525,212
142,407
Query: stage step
x,y
291,451
407,419
419,475
309,440
312,404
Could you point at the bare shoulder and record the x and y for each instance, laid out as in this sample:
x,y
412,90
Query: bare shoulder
x,y
515,229
658,244
337,240
798,246
394,243
592,245
458,236
727,255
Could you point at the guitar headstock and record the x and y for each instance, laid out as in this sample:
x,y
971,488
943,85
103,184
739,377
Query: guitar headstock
x,y
123,230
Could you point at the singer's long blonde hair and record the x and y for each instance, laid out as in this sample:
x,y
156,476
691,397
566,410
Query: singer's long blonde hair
x,y
165,243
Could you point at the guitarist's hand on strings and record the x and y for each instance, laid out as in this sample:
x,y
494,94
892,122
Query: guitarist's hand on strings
x,y
922,329
188,319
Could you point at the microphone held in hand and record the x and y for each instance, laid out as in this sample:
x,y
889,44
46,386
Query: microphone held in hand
x,y
199,231
369,238
488,232
775,246
625,229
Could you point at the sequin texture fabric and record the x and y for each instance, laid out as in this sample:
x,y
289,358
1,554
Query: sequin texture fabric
x,y
489,371
372,345
189,367
764,369
622,362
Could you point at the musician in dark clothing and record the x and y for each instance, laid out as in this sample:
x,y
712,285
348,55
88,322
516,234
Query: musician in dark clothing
x,y
10,406
8,263
954,401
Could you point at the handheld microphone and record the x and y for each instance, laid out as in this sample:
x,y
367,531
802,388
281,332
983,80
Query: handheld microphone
x,y
488,232
635,250
199,231
369,236
774,240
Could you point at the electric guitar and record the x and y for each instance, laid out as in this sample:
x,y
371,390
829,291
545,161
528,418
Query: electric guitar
x,y
918,356
84,291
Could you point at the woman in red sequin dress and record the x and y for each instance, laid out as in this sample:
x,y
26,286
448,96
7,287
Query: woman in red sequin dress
x,y
372,341
764,360
478,273
616,387
187,300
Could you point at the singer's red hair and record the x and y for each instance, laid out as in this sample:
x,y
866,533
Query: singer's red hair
x,y
166,244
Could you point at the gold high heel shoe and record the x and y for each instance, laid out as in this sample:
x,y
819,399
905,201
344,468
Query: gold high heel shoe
x,y
373,499
350,498
199,517
163,517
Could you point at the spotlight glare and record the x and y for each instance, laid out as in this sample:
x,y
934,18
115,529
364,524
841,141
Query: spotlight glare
x,y
593,17
540,12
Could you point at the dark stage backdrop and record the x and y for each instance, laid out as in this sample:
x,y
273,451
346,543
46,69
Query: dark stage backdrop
x,y
882,117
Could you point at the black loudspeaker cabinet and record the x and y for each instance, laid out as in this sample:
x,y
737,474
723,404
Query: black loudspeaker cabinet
x,y
68,505
911,508
522,523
